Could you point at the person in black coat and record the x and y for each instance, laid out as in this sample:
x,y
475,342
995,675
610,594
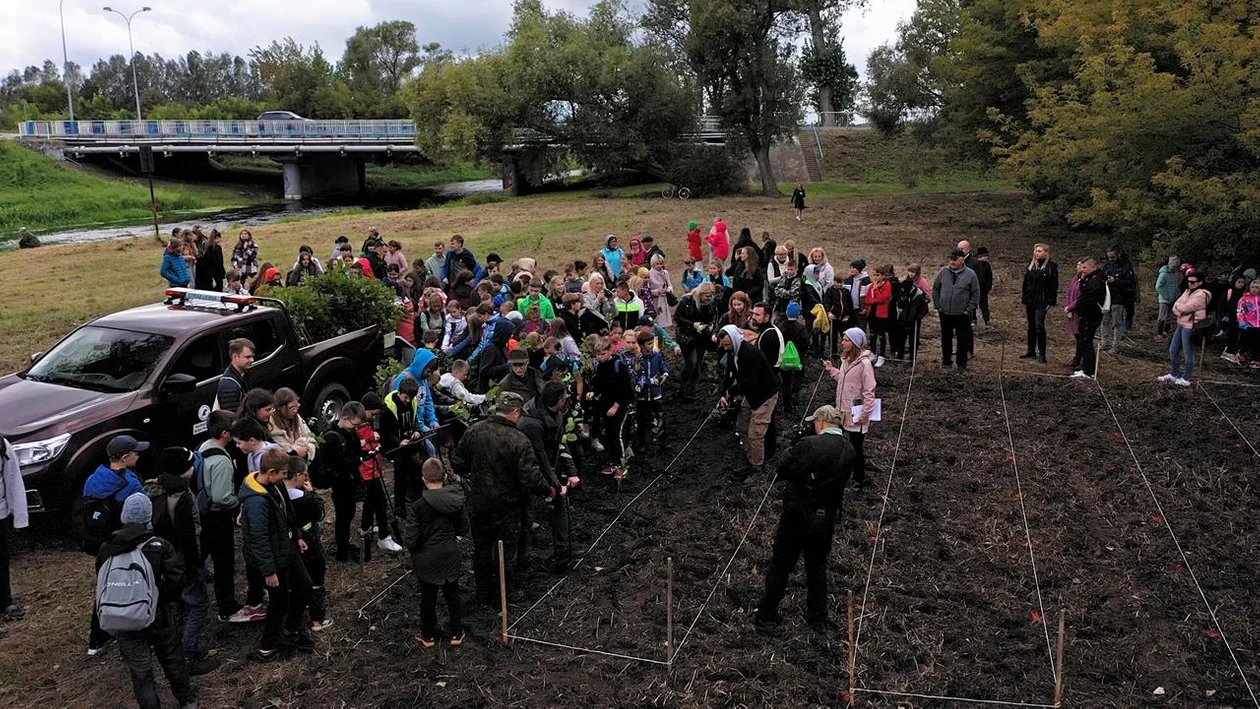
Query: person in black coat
x,y
693,321
1040,293
816,470
754,379
209,273
1088,311
434,521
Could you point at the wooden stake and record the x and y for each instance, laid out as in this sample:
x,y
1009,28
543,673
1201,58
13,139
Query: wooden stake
x,y
503,594
669,610
1058,661
852,655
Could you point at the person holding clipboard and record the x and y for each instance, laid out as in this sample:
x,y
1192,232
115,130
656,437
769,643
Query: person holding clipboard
x,y
855,394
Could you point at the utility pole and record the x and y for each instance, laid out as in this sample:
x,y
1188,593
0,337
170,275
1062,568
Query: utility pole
x,y
130,45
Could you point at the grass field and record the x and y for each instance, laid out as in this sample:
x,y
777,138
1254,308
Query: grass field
x,y
38,193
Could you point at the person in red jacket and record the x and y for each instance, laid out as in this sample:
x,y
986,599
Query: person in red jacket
x,y
695,247
879,311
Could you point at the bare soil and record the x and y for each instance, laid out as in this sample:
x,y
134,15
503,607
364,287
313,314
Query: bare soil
x,y
935,551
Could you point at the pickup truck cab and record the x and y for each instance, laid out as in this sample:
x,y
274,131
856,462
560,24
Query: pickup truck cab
x,y
153,372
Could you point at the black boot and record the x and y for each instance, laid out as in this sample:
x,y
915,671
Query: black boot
x,y
1041,347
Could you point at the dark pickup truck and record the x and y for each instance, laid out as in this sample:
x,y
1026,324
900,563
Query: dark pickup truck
x,y
153,372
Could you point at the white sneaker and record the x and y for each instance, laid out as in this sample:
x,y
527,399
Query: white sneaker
x,y
597,446
1080,374
389,545
1166,378
1181,382
879,361
1230,358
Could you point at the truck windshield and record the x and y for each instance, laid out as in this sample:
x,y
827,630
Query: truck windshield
x,y
102,359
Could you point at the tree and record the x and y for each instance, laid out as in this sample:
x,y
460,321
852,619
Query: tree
x,y
904,79
1156,134
560,85
833,80
743,55
301,80
376,62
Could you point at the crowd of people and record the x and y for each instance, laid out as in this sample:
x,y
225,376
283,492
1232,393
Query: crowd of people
x,y
523,380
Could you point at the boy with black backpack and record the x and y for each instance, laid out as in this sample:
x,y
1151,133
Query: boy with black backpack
x,y
138,581
175,519
103,495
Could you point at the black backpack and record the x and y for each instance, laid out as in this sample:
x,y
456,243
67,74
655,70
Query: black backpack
x,y
99,519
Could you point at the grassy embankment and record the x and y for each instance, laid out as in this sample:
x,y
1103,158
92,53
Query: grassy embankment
x,y
39,193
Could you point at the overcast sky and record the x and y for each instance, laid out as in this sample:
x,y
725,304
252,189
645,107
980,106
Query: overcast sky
x,y
31,33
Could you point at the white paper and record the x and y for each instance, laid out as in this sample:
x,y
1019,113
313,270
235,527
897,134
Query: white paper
x,y
877,410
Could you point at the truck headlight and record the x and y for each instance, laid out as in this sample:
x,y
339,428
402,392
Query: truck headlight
x,y
36,452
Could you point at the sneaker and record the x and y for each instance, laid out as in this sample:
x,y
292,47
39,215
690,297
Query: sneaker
x,y
261,655
597,446
241,616
1080,374
618,474
1181,382
458,639
257,613
426,642
318,626
879,360
608,470
389,545
94,650
1166,378
1229,357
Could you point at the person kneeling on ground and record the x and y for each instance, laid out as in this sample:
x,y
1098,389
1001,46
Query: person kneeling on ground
x,y
816,470
434,521
754,379
124,598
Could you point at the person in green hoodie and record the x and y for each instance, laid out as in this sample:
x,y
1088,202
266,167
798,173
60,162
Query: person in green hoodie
x,y
535,297
434,520
1167,289
272,545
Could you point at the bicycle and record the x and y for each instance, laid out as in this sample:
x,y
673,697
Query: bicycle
x,y
678,191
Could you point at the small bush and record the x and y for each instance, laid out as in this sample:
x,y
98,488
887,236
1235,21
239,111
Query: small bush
x,y
330,305
708,170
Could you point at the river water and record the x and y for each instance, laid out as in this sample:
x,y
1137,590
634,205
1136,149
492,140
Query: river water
x,y
223,219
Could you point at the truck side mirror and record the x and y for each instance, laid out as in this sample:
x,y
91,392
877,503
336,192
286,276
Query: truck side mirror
x,y
179,384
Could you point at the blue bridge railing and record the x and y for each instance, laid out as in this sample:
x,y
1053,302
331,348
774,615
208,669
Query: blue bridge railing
x,y
213,131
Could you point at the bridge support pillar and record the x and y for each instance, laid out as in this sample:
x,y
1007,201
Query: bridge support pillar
x,y
318,175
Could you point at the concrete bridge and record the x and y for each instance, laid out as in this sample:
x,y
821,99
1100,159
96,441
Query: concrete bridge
x,y
319,157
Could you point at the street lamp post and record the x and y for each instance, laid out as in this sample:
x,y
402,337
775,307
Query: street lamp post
x,y
65,59
134,83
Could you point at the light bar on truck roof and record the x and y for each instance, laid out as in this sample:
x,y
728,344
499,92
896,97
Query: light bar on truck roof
x,y
180,296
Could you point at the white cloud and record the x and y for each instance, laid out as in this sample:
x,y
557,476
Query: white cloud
x,y
31,30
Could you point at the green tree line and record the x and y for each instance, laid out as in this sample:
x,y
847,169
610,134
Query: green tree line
x,y
1136,119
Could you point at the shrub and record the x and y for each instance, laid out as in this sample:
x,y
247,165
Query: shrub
x,y
330,305
708,170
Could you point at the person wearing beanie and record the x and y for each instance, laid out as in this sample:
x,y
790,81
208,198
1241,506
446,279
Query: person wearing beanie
x,y
816,470
695,248
174,267
754,379
796,333
161,638
855,382
104,492
176,520
719,243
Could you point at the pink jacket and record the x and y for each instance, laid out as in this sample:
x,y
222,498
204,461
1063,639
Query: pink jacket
x,y
854,381
1192,307
720,241
1249,311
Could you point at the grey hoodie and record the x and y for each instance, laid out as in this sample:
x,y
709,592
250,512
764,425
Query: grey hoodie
x,y
956,292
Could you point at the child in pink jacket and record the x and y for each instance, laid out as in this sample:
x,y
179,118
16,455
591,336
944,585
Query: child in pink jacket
x,y
1249,325
719,243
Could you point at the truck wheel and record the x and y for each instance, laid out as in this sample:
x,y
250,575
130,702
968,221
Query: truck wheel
x,y
329,402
